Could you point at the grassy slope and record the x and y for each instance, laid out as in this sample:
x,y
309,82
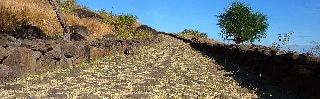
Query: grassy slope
x,y
39,13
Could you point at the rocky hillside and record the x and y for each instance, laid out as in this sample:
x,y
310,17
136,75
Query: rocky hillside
x,y
31,37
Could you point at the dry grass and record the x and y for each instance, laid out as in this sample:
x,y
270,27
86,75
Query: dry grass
x,y
39,13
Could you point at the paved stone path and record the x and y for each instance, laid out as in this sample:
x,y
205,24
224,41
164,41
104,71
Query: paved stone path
x,y
170,69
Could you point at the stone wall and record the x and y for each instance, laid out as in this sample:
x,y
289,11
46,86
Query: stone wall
x,y
23,57
295,72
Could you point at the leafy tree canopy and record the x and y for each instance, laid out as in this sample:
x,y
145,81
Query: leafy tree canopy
x,y
241,23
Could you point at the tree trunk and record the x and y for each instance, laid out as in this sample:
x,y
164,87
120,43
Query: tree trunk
x,y
65,27
237,40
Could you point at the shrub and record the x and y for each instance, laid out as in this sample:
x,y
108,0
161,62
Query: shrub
x,y
69,6
125,27
125,20
195,33
282,40
140,34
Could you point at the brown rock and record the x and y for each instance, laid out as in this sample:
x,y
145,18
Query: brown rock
x,y
23,61
31,32
106,52
95,53
318,59
79,60
55,53
3,53
267,52
109,37
295,55
79,33
77,37
72,49
4,71
58,57
81,13
26,32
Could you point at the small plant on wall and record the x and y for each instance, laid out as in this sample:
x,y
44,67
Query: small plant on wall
x,y
283,39
195,33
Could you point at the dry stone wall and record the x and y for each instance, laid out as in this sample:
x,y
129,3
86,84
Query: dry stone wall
x,y
23,57
292,71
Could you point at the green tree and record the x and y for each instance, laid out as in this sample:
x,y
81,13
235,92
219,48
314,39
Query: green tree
x,y
241,23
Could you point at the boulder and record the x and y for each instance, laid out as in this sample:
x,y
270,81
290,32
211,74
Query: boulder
x,y
49,64
55,53
39,45
81,13
4,71
27,32
23,61
32,32
109,37
95,53
79,60
76,37
147,28
72,49
3,53
79,32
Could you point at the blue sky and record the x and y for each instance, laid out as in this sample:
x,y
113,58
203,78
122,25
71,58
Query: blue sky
x,y
284,16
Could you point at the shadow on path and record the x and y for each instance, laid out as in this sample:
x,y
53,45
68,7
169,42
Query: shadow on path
x,y
246,77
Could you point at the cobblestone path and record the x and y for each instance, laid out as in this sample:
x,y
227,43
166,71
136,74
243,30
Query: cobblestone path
x,y
170,69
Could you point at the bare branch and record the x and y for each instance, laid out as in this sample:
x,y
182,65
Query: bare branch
x,y
66,29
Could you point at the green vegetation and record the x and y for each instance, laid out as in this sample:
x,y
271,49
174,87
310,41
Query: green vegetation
x,y
109,17
195,33
241,23
124,26
282,40
69,6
